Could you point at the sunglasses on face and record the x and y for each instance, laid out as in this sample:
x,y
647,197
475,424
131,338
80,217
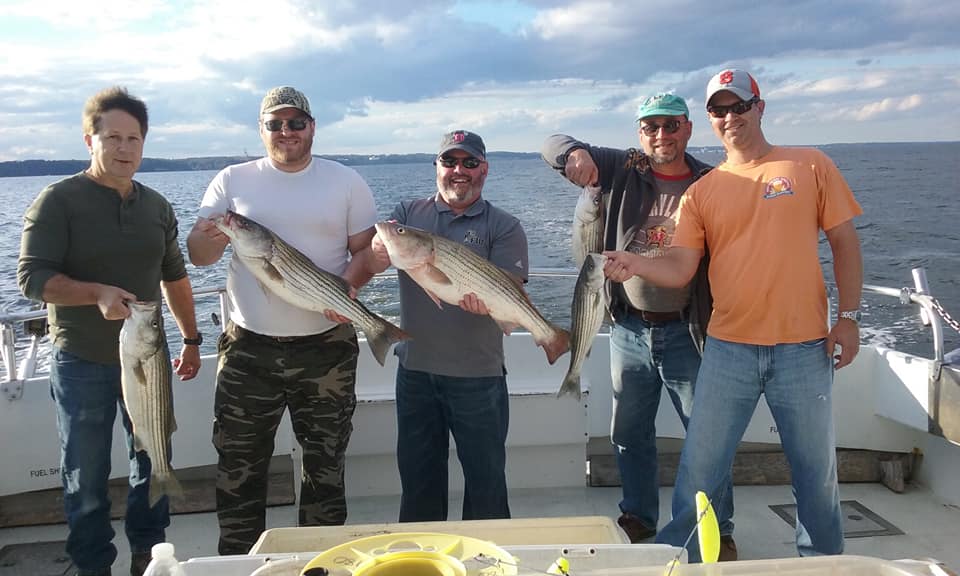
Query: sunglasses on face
x,y
670,127
469,162
294,124
739,108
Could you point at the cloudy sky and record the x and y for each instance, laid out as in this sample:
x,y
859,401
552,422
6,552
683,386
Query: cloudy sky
x,y
392,76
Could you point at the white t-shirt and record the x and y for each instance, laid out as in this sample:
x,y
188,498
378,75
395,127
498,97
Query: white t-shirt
x,y
315,210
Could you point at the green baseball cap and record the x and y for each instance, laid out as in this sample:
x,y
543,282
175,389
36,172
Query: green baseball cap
x,y
662,105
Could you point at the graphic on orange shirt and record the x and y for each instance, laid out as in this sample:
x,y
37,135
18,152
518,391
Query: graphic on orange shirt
x,y
779,186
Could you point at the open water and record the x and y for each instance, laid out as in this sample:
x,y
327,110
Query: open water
x,y
909,193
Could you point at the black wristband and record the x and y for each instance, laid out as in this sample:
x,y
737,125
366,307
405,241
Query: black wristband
x,y
194,341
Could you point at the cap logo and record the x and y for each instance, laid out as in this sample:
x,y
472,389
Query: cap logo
x,y
726,77
459,137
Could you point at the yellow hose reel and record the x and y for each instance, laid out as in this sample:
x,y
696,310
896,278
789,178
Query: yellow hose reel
x,y
414,554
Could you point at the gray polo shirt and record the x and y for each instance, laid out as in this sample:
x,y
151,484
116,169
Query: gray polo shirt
x,y
450,341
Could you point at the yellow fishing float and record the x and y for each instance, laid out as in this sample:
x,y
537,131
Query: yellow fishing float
x,y
415,554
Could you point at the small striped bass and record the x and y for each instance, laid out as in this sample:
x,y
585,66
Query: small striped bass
x,y
289,274
448,271
587,224
586,316
146,376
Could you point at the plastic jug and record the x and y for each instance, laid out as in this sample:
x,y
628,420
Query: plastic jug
x,y
163,562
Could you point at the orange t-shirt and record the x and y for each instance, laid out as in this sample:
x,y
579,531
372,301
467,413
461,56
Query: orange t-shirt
x,y
761,222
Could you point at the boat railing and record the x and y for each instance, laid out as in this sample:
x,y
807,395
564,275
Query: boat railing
x,y
931,313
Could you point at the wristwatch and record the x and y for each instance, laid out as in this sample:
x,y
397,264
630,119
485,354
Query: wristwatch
x,y
194,341
851,315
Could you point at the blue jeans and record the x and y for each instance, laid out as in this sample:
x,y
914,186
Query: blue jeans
x,y
86,396
796,380
644,358
477,411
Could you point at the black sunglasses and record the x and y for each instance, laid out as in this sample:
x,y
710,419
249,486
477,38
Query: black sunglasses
x,y
294,124
670,127
469,162
739,108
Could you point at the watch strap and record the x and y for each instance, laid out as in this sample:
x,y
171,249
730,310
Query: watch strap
x,y
194,341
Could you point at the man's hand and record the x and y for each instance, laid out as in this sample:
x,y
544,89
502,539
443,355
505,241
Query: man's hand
x,y
846,333
581,169
112,302
333,316
620,266
188,364
379,257
209,230
474,305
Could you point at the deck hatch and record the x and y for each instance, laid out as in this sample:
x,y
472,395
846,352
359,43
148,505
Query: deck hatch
x,y
35,559
858,520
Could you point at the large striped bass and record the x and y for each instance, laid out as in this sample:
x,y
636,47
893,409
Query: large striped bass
x,y
587,224
289,274
148,394
586,316
448,271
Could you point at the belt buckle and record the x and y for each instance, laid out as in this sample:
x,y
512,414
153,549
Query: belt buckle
x,y
285,339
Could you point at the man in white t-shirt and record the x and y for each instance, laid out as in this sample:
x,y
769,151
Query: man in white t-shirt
x,y
274,355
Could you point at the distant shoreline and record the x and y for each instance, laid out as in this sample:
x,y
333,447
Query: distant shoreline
x,y
17,168
68,167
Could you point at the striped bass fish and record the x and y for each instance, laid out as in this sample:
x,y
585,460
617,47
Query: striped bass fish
x,y
448,271
587,224
289,274
145,378
586,316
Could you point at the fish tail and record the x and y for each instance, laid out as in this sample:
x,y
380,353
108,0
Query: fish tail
x,y
571,385
164,485
381,337
557,345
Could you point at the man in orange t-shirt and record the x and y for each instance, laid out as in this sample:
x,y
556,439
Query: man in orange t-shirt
x,y
759,214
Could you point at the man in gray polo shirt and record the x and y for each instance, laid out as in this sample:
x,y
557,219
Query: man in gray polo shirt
x,y
451,377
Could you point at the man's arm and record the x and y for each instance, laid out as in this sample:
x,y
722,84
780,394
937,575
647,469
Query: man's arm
x,y
179,297
580,163
358,271
206,243
111,300
674,269
848,273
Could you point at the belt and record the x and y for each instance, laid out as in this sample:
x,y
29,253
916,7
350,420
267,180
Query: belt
x,y
281,339
656,317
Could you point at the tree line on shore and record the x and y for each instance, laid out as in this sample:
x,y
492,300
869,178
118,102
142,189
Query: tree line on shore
x,y
67,167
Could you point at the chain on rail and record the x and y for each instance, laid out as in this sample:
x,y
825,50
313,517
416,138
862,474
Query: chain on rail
x,y
949,320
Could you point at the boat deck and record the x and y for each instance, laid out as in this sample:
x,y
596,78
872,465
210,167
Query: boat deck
x,y
929,527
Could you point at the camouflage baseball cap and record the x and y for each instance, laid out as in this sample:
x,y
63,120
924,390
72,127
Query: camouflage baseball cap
x,y
285,97
463,140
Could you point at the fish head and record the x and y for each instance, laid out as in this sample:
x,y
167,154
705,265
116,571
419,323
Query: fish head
x,y
589,204
408,247
142,332
247,236
592,271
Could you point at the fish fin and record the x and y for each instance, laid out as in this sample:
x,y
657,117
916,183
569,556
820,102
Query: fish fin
x,y
140,374
272,271
434,274
164,486
264,289
571,385
507,327
435,299
382,337
557,346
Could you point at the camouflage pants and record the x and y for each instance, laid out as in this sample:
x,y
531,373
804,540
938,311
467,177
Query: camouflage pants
x,y
257,378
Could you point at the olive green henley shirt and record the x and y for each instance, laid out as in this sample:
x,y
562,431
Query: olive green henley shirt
x,y
89,233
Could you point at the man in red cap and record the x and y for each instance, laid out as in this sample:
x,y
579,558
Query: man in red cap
x,y
759,214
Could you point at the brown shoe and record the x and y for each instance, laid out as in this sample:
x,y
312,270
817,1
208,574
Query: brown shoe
x,y
636,530
728,549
